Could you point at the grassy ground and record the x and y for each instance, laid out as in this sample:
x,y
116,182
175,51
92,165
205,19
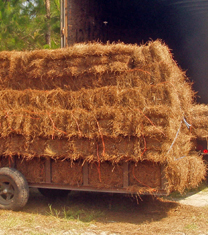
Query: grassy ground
x,y
105,214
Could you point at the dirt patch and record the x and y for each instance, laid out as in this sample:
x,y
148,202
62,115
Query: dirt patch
x,y
104,214
196,199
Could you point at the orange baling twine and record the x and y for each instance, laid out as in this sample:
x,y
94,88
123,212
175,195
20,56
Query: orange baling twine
x,y
150,121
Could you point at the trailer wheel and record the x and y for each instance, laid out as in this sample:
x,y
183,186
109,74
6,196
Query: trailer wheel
x,y
53,193
14,190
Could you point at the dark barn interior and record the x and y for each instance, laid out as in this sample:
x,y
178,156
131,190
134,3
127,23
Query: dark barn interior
x,y
182,25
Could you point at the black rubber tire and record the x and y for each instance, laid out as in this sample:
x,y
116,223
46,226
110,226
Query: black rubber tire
x,y
14,190
53,193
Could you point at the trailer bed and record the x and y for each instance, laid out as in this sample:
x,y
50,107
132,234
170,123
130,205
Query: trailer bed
x,y
126,177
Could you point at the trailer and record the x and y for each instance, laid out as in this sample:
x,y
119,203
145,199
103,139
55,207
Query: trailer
x,y
52,182
111,118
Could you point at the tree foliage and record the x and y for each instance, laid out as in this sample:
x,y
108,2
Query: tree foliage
x,y
24,25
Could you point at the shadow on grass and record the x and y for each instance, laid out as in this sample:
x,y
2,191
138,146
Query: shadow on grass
x,y
100,207
189,192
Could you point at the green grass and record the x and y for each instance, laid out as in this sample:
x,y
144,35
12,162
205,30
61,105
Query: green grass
x,y
75,214
82,215
37,224
191,227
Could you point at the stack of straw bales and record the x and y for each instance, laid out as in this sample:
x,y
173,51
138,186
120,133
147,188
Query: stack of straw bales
x,y
199,121
100,103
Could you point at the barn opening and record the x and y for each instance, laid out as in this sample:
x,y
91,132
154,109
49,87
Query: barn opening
x,y
182,25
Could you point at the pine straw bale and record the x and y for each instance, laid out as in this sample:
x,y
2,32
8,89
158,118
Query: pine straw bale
x,y
107,121
199,115
145,174
99,102
91,150
33,169
116,112
98,65
185,172
63,67
107,176
88,99
166,70
137,91
61,170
